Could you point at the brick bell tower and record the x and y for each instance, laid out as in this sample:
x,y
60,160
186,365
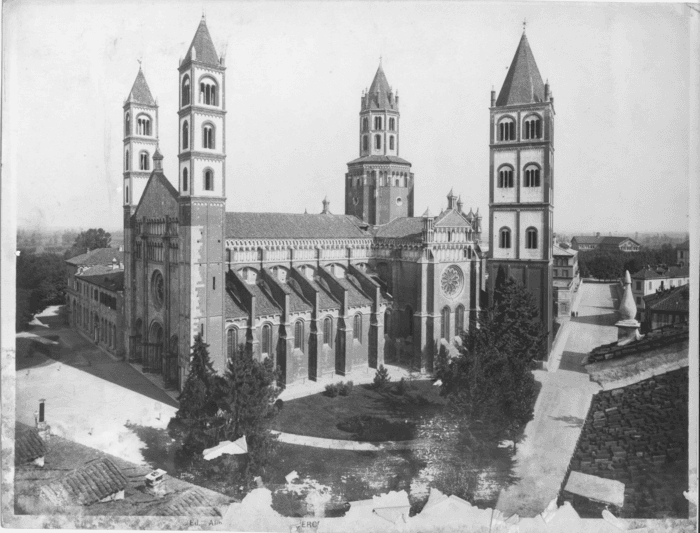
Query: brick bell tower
x,y
379,184
521,181
202,199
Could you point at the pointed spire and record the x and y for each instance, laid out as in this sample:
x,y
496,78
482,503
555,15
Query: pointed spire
x,y
140,93
326,203
628,309
202,48
157,159
427,213
451,200
523,83
460,204
380,94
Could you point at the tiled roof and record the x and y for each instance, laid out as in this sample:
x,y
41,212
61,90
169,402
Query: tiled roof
x,y
233,307
684,246
402,228
586,239
191,502
140,93
661,273
28,446
616,241
453,219
292,226
679,272
325,298
356,298
380,159
110,280
265,303
672,300
656,338
297,302
99,256
90,484
379,91
523,83
558,250
203,46
647,273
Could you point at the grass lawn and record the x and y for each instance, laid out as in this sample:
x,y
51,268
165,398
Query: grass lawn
x,y
319,415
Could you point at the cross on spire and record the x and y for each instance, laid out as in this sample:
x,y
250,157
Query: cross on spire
x,y
524,24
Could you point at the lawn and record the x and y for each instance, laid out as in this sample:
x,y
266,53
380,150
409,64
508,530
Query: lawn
x,y
320,415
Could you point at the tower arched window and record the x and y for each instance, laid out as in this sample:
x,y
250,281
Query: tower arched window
x,y
459,320
186,90
531,238
231,342
185,135
208,93
144,163
143,125
504,238
446,323
185,179
208,136
505,177
532,176
392,124
378,142
126,160
208,180
506,129
299,335
357,328
377,123
127,124
365,124
327,330
126,195
365,143
266,344
532,127
391,142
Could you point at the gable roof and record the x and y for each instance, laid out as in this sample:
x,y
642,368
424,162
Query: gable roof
x,y
234,308
157,200
453,219
28,446
140,93
98,256
558,250
380,159
95,481
292,226
523,83
672,300
410,228
586,239
616,240
203,46
379,91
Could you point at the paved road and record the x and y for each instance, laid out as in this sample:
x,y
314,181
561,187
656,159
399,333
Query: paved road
x,y
550,438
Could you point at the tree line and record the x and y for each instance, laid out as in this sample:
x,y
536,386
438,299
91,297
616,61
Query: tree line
x,y
603,264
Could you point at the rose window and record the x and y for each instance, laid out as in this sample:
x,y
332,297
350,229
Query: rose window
x,y
452,281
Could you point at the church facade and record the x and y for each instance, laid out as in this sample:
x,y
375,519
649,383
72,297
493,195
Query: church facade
x,y
322,294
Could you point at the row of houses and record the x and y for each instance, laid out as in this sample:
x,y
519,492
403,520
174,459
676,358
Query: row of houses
x,y
596,242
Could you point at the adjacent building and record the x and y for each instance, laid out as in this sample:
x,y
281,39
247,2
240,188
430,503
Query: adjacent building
x,y
611,244
683,254
566,278
664,307
652,280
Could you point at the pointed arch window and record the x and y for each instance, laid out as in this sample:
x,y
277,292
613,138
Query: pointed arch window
x,y
327,331
266,339
504,238
532,127
126,195
392,124
126,161
365,124
186,90
391,142
532,176
185,135
127,124
357,328
378,142
365,143
506,129
231,342
208,93
185,179
208,136
459,320
531,238
446,323
377,123
208,180
505,177
144,161
143,125
299,335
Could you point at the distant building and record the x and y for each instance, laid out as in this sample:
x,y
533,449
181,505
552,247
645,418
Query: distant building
x,y
587,243
95,296
566,278
666,307
683,253
650,280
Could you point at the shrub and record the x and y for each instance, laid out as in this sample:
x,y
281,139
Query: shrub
x,y
401,387
381,378
332,390
345,388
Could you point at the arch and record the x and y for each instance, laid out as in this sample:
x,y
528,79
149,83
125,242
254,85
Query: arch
x,y
532,175
445,333
365,142
377,123
531,238
144,161
266,339
328,331
126,160
208,179
392,124
186,90
231,342
391,142
504,238
532,126
185,135
365,124
126,195
337,270
208,136
409,321
143,125
155,347
208,91
459,320
127,123
506,128
299,335
249,275
378,142
357,327
185,179
505,176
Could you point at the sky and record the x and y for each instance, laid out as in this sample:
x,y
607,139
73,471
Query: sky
x,y
619,74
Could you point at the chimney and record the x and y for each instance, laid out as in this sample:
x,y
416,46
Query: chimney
x,y
627,326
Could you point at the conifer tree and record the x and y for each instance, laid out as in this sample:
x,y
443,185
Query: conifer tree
x,y
198,396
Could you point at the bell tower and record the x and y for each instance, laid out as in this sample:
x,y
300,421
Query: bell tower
x,y
202,195
521,181
379,184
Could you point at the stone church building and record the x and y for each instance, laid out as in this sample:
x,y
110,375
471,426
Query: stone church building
x,y
321,294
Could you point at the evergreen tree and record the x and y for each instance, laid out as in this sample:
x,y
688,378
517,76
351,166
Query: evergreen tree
x,y
198,396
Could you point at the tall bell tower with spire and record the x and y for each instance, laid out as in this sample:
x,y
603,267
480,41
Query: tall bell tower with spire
x,y
379,184
521,181
202,195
